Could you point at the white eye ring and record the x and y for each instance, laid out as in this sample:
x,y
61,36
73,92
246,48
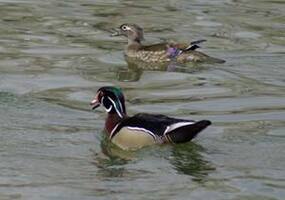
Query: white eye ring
x,y
125,28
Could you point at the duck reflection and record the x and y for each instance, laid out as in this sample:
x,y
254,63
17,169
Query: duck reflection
x,y
111,160
135,69
187,159
114,153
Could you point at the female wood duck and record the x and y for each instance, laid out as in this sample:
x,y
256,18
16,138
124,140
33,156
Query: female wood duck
x,y
161,52
142,129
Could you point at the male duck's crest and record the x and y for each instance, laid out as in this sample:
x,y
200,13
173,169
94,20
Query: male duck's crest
x,y
142,129
112,99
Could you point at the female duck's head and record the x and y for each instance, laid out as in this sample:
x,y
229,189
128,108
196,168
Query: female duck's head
x,y
132,31
112,99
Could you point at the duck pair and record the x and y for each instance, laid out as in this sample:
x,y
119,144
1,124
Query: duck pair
x,y
133,132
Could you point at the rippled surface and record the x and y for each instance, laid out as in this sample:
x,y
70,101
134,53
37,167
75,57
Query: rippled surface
x,y
56,54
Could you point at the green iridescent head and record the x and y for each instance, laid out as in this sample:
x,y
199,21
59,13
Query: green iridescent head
x,y
112,99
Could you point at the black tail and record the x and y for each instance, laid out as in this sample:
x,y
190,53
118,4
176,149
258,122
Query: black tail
x,y
187,133
197,42
192,48
194,45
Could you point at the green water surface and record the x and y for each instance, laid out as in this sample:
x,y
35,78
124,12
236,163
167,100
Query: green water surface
x,y
54,55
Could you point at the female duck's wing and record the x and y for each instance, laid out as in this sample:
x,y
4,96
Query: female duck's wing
x,y
165,46
168,51
197,56
189,46
155,47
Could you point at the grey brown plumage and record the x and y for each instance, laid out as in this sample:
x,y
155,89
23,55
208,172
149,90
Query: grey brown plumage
x,y
161,52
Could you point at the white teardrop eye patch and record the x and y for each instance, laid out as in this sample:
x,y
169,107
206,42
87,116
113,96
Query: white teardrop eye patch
x,y
126,28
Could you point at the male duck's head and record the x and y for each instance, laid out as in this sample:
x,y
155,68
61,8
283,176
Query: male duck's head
x,y
132,31
112,99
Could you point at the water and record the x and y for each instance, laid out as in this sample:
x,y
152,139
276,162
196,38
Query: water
x,y
56,54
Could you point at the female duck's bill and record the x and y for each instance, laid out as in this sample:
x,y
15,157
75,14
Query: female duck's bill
x,y
131,31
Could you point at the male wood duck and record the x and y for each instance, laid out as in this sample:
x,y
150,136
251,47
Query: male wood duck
x,y
161,52
142,129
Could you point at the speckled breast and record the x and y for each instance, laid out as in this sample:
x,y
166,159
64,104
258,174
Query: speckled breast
x,y
149,56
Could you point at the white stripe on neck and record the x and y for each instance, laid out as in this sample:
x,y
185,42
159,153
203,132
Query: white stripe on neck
x,y
118,112
113,131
